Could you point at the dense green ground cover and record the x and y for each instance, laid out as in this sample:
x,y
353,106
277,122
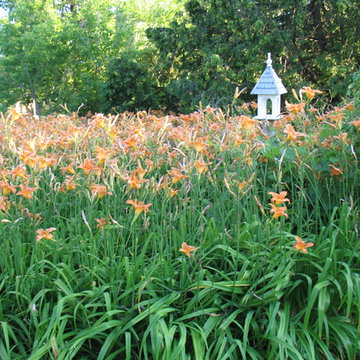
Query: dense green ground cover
x,y
88,272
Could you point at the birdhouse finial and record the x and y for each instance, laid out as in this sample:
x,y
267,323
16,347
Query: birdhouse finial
x,y
269,61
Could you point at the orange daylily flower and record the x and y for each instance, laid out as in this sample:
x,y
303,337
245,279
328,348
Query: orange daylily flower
x,y
7,188
19,171
140,172
199,144
15,115
343,137
209,109
356,123
4,203
254,105
132,142
301,245
187,249
162,149
29,146
113,133
74,131
214,127
28,157
335,171
102,154
248,123
98,121
295,108
26,191
34,217
139,206
69,184
336,118
201,166
88,165
177,175
291,133
178,134
101,222
278,211
43,162
45,234
309,92
245,106
150,164
69,168
279,198
242,185
350,106
99,190
172,192
138,131
239,139
162,184
134,182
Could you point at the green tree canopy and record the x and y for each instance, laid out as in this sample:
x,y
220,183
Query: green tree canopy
x,y
31,48
55,52
222,44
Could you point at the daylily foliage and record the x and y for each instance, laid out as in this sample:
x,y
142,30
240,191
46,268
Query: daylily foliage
x,y
186,222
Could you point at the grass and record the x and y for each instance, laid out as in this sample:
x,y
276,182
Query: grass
x,y
109,282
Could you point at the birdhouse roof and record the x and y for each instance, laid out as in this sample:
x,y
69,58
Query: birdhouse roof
x,y
269,83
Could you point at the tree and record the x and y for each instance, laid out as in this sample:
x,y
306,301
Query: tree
x,y
222,44
55,52
130,85
89,31
31,52
134,77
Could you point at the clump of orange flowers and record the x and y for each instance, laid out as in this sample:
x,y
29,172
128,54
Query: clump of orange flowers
x,y
277,199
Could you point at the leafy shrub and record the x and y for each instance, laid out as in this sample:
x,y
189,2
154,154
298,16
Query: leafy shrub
x,y
130,85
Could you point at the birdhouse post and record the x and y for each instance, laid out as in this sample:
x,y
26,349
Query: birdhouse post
x,y
269,89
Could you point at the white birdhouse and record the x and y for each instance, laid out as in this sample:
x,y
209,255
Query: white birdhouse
x,y
269,89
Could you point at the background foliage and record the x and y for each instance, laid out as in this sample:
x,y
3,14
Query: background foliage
x,y
221,44
180,52
83,275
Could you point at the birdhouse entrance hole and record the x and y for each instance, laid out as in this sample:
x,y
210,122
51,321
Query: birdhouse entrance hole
x,y
268,106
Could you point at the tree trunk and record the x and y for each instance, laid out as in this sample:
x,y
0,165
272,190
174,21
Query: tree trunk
x,y
317,23
36,105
